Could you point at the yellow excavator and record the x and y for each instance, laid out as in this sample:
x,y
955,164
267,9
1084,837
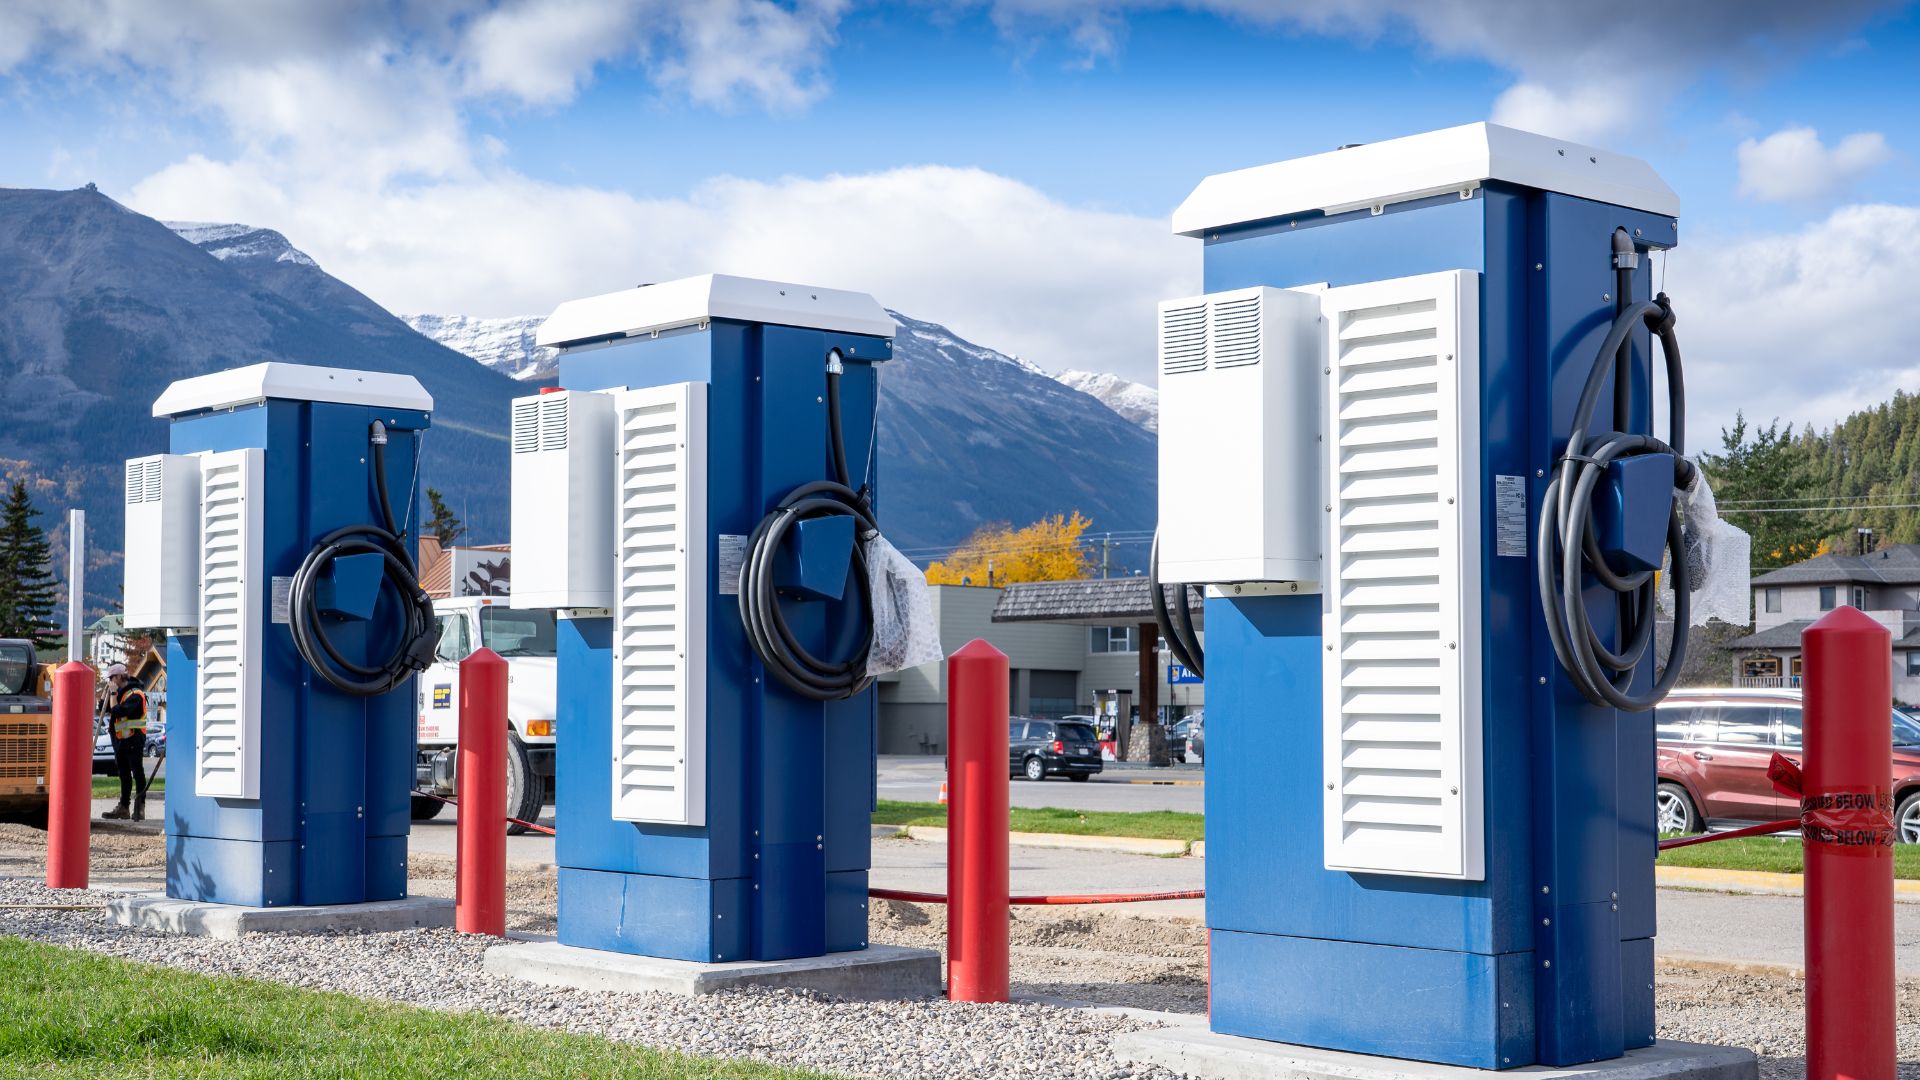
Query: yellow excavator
x,y
26,714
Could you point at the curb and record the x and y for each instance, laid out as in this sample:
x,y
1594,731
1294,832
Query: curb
x,y
1754,881
1133,845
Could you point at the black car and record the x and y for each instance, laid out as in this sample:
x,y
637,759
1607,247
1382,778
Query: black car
x,y
1037,749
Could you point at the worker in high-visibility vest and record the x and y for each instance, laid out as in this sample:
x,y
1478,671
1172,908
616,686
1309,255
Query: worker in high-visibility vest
x,y
127,714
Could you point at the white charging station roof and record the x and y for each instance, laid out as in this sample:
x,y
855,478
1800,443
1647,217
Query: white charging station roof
x,y
693,301
292,382
1454,159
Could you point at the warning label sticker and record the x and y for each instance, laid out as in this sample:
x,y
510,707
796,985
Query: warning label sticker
x,y
282,600
733,558
1510,516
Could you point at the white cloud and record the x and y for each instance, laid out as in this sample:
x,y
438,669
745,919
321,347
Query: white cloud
x,y
1585,71
1794,164
1806,326
995,259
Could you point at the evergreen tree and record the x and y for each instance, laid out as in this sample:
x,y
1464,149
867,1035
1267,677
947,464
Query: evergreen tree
x,y
1755,482
443,524
28,594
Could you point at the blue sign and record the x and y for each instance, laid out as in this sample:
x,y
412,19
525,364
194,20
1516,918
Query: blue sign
x,y
1178,674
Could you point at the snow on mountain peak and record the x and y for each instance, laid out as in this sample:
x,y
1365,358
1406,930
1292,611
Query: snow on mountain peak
x,y
235,241
1134,401
503,344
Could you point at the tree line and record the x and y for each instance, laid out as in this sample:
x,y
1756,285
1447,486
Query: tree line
x,y
1805,493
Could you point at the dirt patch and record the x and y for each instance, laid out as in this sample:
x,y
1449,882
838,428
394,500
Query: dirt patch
x,y
1093,954
532,892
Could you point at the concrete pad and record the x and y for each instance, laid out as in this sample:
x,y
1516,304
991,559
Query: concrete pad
x,y
1197,1052
875,973
157,911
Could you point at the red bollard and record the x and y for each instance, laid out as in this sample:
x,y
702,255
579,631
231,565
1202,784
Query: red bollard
x,y
1846,825
977,770
480,779
70,776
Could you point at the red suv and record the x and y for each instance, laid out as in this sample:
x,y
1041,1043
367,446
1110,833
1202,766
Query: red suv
x,y
1714,750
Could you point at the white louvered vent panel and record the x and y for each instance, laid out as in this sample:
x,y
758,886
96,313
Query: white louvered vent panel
x,y
526,425
1235,328
1401,609
1183,338
553,421
659,722
144,480
227,742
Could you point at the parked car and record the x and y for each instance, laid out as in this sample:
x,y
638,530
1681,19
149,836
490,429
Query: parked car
x,y
1714,748
1179,733
1196,736
1037,749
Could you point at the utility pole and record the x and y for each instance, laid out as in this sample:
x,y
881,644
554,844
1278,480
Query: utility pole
x,y
1106,551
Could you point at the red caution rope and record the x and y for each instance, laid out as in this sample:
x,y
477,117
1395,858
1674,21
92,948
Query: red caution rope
x,y
1085,898
1735,834
529,824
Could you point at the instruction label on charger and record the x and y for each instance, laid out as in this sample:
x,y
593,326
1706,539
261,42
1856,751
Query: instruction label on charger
x,y
733,556
282,600
1510,516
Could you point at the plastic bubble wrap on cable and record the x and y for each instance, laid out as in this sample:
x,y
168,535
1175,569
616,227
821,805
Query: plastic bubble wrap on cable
x,y
905,633
1719,558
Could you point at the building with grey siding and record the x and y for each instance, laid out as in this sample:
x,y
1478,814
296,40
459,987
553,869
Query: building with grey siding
x,y
1884,584
1061,662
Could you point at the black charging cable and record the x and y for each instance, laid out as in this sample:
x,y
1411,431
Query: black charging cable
x,y
413,650
1568,553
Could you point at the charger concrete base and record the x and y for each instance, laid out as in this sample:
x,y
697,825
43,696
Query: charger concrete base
x,y
156,911
1196,1052
875,973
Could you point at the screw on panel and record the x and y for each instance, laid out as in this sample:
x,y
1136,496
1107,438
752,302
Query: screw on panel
x,y
1539,266
1539,472
1329,785
1543,680
1545,889
1546,963
1606,296
1546,922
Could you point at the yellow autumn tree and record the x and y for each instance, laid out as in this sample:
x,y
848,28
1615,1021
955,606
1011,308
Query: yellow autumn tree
x,y
1047,550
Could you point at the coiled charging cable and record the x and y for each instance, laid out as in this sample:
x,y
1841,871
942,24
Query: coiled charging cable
x,y
413,650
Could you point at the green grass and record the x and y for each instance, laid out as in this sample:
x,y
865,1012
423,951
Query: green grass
x,y
108,787
76,1014
1152,824
1772,855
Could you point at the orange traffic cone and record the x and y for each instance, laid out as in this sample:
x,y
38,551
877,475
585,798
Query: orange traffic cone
x,y
943,793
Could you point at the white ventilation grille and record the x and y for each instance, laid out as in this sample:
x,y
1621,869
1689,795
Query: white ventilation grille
x,y
161,584
1401,606
144,479
553,421
659,707
1183,338
1235,327
227,739
526,425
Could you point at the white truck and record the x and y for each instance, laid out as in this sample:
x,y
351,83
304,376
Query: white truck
x,y
525,639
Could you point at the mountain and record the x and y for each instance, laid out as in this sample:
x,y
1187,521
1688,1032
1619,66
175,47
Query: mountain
x,y
101,308
968,434
1137,403
505,345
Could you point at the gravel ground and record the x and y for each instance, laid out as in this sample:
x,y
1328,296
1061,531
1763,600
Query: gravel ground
x,y
1101,955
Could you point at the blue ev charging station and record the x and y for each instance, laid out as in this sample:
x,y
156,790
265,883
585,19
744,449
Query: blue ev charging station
x,y
695,501
1412,424
271,541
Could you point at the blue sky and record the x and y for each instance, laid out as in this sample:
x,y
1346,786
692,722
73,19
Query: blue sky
x,y
1005,167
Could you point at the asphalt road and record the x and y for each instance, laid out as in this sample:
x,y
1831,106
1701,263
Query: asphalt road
x,y
917,779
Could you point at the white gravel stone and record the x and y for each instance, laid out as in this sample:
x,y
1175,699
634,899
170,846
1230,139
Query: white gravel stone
x,y
441,969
